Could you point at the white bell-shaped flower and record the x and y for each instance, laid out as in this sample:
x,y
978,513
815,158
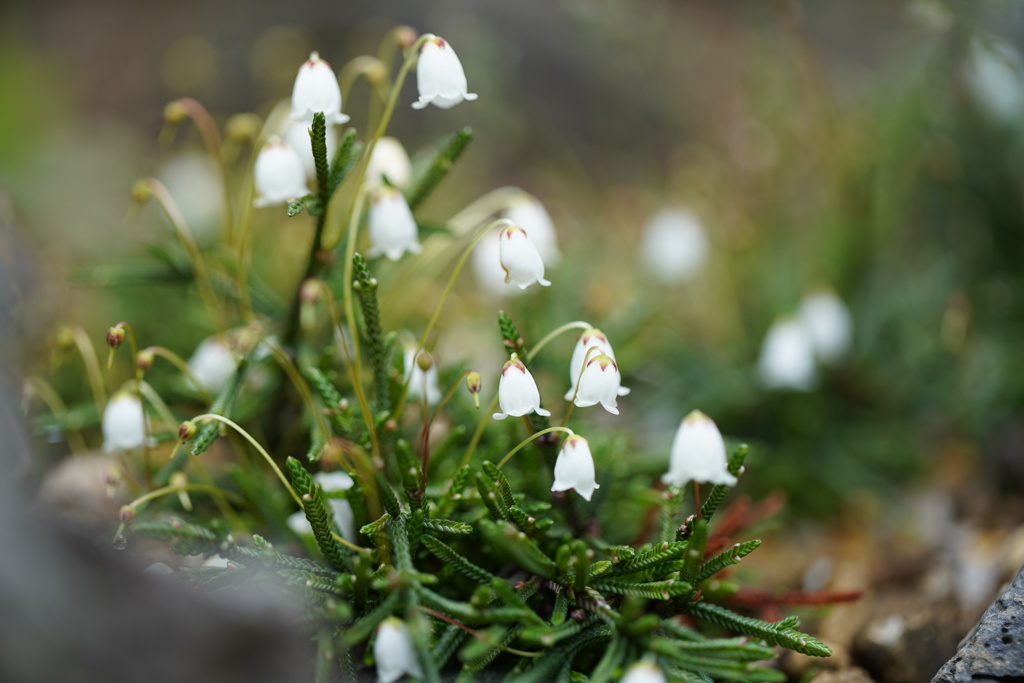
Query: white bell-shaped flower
x,y
124,423
331,482
527,212
674,245
439,76
344,517
589,339
520,259
393,229
698,453
486,263
517,391
828,323
422,382
279,175
297,135
574,468
316,90
389,160
994,73
394,652
600,383
212,364
644,671
787,357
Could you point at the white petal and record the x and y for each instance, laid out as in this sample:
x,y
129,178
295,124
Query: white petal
x,y
394,652
526,211
517,392
390,160
574,468
787,357
440,78
698,453
279,175
297,135
393,230
674,245
334,481
316,90
212,364
124,426
644,672
520,258
829,324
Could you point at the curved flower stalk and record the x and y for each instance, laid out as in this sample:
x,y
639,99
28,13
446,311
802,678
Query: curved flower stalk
x,y
592,338
279,174
518,394
394,652
316,90
520,259
574,468
698,453
440,78
389,160
674,246
124,423
212,364
787,357
392,228
600,383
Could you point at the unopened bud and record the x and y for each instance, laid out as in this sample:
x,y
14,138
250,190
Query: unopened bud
x,y
310,292
127,513
175,112
115,336
65,339
141,192
391,426
474,383
187,431
425,361
405,36
243,127
144,359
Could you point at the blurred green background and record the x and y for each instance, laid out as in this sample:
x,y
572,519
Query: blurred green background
x,y
872,148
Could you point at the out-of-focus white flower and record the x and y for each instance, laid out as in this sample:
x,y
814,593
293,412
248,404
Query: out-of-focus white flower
x,y
600,383
212,364
674,245
589,339
279,175
297,135
698,453
316,90
828,323
194,182
124,423
517,391
644,671
574,468
527,212
217,561
994,72
520,259
787,357
329,482
421,380
439,76
392,227
394,652
389,160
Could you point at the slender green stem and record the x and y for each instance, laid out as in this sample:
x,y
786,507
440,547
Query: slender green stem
x,y
156,189
146,390
500,223
92,365
51,398
168,490
255,444
696,500
424,455
301,386
179,363
485,419
575,325
137,375
527,440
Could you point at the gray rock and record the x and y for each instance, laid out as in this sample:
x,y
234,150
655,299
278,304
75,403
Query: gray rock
x,y
994,649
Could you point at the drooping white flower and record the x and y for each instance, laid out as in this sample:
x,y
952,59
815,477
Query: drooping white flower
x,y
994,72
279,175
316,90
600,383
392,227
439,76
124,423
330,482
389,160
589,339
297,135
486,262
698,453
787,357
334,481
517,391
574,468
421,380
526,211
674,245
212,364
394,652
644,671
828,323
520,259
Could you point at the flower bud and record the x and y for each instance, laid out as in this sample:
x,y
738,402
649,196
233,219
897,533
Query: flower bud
x,y
517,391
405,36
422,381
115,336
425,361
310,291
144,359
187,431
698,453
64,338
175,112
316,90
127,513
474,383
439,76
520,259
574,468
